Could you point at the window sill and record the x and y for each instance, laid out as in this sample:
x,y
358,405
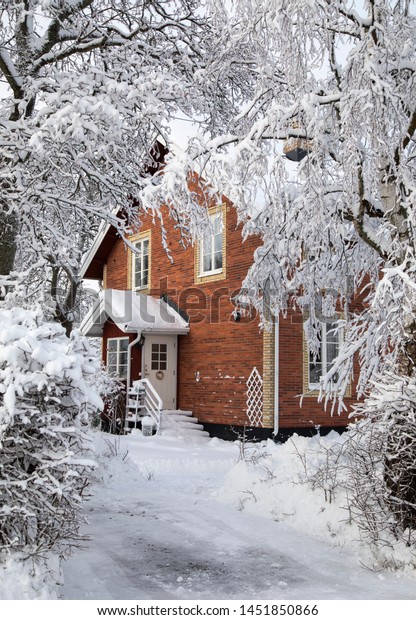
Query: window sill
x,y
314,391
311,390
210,276
141,289
207,274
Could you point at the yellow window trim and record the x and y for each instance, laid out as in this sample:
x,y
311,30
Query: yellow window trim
x,y
220,275
145,234
306,390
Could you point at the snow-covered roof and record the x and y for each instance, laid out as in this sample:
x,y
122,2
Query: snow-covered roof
x,y
133,312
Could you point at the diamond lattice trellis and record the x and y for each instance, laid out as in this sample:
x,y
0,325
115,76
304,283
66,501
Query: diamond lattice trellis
x,y
255,398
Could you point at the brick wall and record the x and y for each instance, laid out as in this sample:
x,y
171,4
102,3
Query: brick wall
x,y
216,358
116,268
294,412
268,376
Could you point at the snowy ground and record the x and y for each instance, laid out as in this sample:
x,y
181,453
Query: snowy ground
x,y
180,520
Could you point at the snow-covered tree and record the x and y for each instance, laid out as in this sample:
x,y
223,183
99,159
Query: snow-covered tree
x,y
337,81
45,458
93,82
88,85
86,88
334,85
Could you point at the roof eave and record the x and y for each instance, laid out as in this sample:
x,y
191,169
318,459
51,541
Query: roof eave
x,y
176,331
94,249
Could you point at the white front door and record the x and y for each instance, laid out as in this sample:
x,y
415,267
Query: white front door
x,y
160,357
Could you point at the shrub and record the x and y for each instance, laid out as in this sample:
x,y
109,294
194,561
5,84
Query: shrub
x,y
45,401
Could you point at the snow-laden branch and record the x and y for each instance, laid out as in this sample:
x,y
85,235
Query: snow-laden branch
x,y
347,209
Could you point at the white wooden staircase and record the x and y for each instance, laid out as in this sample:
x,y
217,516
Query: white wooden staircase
x,y
143,402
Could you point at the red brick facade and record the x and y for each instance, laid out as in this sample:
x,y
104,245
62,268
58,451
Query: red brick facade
x,y
217,356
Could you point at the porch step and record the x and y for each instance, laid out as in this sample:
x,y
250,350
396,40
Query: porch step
x,y
182,419
179,412
178,423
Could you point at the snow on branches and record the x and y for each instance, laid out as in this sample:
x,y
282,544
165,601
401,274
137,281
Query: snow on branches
x,y
381,451
334,80
45,401
340,82
90,85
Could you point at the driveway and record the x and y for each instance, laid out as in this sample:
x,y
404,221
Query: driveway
x,y
158,532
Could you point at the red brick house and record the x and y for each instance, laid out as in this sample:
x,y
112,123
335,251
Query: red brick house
x,y
176,325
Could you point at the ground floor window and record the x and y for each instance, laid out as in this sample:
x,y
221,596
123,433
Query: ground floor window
x,y
322,361
117,351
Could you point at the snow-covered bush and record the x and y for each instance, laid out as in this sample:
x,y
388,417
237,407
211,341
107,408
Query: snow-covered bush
x,y
381,452
291,483
45,400
372,471
113,393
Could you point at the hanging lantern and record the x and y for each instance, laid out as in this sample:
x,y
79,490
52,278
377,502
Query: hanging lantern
x,y
296,149
295,152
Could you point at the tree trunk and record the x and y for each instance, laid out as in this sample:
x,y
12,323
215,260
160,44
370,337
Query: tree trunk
x,y
64,301
407,362
400,464
8,234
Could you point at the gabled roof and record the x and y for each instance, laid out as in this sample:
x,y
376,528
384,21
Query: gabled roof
x,y
133,312
96,257
94,260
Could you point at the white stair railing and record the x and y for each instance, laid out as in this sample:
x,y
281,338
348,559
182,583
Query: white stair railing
x,y
152,401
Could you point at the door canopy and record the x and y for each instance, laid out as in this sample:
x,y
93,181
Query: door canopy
x,y
133,312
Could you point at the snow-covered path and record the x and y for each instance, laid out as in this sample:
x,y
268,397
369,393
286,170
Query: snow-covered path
x,y
159,533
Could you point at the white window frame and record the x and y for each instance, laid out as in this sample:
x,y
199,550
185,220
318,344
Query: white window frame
x,y
116,371
324,352
139,245
212,235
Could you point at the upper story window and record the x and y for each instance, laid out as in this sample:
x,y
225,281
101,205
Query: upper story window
x,y
322,362
211,246
210,251
140,266
117,351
